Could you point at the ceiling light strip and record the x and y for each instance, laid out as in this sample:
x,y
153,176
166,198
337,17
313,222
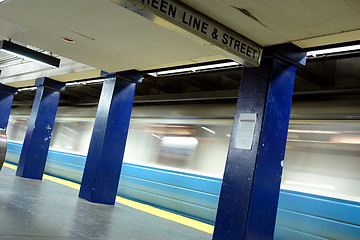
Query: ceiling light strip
x,y
216,66
208,129
343,49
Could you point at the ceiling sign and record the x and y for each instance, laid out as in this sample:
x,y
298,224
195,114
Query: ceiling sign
x,y
228,42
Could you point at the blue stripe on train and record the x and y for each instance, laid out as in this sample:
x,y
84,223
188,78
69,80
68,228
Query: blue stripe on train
x,y
177,193
185,180
300,215
341,210
322,217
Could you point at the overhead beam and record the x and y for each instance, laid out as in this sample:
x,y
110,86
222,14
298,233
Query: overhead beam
x,y
311,77
88,91
198,85
180,97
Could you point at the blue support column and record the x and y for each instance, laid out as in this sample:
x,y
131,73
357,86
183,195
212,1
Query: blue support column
x,y
251,184
104,160
6,100
38,134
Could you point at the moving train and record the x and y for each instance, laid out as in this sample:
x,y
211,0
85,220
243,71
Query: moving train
x,y
175,158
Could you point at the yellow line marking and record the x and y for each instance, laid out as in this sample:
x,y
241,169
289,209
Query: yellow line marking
x,y
167,215
139,206
51,178
10,166
62,182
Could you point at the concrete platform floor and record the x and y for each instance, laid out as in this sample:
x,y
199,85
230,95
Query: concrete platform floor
x,y
33,209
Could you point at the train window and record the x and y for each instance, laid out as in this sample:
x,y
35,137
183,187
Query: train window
x,y
16,128
72,135
198,146
69,135
323,157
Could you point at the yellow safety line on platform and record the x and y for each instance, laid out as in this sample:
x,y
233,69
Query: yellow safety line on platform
x,y
10,166
167,215
62,182
139,206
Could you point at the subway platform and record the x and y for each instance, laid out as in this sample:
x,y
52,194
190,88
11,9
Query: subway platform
x,y
51,209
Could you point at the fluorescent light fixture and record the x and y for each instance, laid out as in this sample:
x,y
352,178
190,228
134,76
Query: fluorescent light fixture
x,y
333,50
94,81
73,83
84,82
195,69
208,129
29,54
27,89
158,137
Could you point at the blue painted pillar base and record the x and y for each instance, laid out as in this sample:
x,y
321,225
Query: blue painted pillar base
x,y
251,184
6,100
104,160
38,133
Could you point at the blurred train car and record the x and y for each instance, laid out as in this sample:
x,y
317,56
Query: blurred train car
x,y
175,158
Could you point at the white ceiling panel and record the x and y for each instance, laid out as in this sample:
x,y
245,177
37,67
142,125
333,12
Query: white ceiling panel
x,y
108,37
112,38
278,21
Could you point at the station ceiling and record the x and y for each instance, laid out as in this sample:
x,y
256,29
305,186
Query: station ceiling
x,y
112,38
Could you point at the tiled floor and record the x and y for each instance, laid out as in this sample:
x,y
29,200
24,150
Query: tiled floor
x,y
33,209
